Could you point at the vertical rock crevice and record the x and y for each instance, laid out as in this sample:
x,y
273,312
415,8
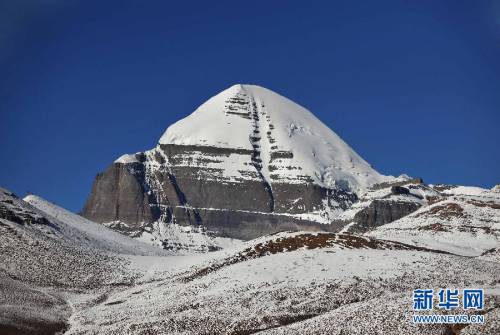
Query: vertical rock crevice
x,y
256,159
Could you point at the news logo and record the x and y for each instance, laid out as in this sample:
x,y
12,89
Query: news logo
x,y
423,300
474,299
448,300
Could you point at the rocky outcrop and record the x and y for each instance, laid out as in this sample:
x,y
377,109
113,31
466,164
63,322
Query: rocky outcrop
x,y
119,193
395,183
249,225
399,190
380,212
380,206
188,185
20,215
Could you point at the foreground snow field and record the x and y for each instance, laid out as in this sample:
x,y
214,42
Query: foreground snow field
x,y
288,283
62,273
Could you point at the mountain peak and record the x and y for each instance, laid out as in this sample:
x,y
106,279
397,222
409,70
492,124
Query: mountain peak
x,y
246,162
252,117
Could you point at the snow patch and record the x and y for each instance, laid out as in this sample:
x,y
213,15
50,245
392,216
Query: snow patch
x,y
126,159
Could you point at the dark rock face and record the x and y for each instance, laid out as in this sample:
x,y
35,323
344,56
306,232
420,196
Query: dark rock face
x,y
190,180
23,216
118,194
188,185
380,212
400,190
249,225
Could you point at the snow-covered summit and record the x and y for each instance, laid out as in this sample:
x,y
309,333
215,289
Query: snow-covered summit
x,y
254,118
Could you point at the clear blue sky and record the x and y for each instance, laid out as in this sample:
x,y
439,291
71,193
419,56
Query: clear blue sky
x,y
412,86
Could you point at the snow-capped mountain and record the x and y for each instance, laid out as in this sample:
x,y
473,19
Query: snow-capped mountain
x,y
330,239
246,163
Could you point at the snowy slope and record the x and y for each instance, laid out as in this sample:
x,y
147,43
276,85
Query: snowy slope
x,y
90,233
289,283
43,257
283,126
176,238
471,191
60,275
466,222
156,236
